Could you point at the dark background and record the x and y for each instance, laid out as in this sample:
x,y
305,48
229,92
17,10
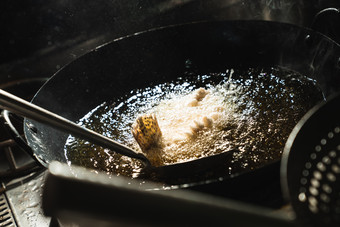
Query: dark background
x,y
38,37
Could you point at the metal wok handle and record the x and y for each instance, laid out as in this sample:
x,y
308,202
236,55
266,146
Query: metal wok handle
x,y
34,112
133,203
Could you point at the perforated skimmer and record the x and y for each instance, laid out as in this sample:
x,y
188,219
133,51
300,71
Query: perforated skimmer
x,y
311,166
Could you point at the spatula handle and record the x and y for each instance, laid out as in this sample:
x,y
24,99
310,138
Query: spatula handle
x,y
26,109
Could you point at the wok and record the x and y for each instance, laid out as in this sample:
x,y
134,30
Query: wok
x,y
161,55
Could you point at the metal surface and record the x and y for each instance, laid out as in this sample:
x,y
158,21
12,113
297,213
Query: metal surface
x,y
25,195
311,166
327,22
13,161
67,190
6,217
20,186
34,112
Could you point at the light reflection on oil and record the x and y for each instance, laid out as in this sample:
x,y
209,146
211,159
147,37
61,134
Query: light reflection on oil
x,y
266,105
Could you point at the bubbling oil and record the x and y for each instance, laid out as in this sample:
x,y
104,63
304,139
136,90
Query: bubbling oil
x,y
257,109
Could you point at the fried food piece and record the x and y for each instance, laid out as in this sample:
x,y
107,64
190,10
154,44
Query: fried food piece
x,y
146,131
200,94
207,121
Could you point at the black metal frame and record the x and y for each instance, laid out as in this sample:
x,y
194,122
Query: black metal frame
x,y
16,141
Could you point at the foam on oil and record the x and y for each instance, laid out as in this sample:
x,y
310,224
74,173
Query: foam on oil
x,y
256,110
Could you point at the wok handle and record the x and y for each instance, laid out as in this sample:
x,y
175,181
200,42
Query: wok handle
x,y
121,201
26,109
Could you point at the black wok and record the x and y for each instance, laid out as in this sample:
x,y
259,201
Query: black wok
x,y
160,55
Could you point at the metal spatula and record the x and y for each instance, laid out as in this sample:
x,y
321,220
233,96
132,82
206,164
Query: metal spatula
x,y
185,169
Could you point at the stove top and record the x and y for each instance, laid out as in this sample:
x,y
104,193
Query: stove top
x,y
22,178
24,197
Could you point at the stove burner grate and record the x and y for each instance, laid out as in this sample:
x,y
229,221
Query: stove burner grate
x,y
6,217
16,159
18,164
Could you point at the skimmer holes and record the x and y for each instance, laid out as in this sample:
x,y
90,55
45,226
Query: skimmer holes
x,y
319,182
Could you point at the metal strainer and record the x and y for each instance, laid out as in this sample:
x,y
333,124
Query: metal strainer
x,y
311,166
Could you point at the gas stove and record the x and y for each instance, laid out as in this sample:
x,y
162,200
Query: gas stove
x,y
22,177
42,37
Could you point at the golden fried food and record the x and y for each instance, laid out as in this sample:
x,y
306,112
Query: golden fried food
x,y
146,131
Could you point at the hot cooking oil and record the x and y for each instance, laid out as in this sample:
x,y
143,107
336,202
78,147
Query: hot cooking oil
x,y
252,110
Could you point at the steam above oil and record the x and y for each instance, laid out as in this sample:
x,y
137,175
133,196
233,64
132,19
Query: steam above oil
x,y
257,109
